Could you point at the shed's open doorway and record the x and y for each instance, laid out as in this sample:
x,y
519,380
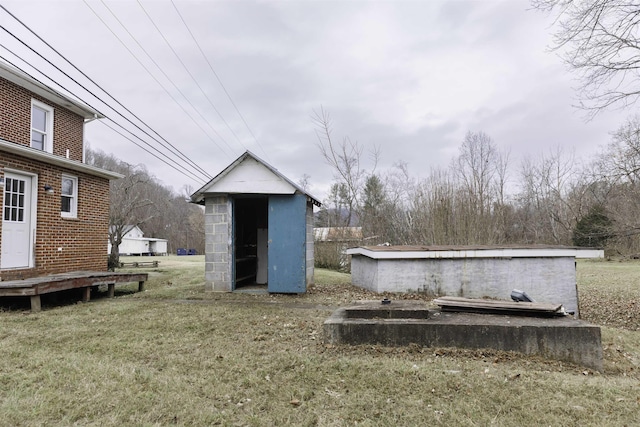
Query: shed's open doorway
x,y
250,251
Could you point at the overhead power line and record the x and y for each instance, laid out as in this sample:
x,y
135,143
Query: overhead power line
x,y
218,79
189,72
173,149
80,98
164,74
184,172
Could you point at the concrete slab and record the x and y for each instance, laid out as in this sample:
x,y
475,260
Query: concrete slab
x,y
560,338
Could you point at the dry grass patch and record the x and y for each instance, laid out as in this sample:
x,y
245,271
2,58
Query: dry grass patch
x,y
175,355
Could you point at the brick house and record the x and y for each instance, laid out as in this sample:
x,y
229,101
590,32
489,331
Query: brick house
x,y
55,207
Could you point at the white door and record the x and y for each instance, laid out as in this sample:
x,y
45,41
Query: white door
x,y
16,221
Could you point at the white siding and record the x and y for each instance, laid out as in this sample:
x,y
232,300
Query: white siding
x,y
251,177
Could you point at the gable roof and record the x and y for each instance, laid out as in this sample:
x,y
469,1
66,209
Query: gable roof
x,y
22,79
249,174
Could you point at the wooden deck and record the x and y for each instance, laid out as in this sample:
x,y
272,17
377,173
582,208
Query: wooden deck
x,y
36,286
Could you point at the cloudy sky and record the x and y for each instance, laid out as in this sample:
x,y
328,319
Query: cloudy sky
x,y
409,77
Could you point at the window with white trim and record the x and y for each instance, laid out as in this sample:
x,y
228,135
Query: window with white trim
x,y
41,126
69,197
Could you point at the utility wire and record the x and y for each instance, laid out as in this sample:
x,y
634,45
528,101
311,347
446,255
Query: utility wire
x,y
174,151
218,79
184,172
140,146
164,74
189,72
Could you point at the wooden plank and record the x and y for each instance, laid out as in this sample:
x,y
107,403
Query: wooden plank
x,y
139,264
36,286
17,292
497,306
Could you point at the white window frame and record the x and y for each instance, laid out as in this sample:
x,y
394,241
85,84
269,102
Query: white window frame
x,y
48,135
73,213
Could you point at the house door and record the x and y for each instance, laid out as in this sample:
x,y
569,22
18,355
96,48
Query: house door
x,y
16,221
287,240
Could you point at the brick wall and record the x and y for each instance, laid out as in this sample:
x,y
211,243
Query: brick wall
x,y
61,244
15,121
64,244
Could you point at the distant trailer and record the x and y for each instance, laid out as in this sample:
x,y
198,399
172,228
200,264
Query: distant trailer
x,y
134,243
545,273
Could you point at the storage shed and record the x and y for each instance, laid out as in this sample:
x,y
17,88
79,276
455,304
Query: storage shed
x,y
258,229
545,273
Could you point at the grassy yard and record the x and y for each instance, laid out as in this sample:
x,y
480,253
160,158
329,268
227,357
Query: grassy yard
x,y
175,355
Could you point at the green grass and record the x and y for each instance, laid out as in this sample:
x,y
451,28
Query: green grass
x,y
177,355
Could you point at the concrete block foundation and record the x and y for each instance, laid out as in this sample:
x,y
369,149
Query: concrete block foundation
x,y
559,338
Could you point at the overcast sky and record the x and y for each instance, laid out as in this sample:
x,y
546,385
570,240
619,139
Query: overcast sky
x,y
410,77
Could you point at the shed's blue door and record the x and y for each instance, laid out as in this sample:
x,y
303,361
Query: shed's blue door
x,y
287,239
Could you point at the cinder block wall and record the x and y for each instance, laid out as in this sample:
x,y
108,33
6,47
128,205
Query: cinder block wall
x,y
545,279
218,244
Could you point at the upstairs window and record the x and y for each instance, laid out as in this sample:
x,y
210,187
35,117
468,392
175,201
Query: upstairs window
x,y
69,197
41,126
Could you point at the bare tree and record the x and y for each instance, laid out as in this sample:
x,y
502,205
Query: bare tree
x,y
617,175
434,209
305,182
546,212
620,161
599,41
124,212
396,213
345,159
127,199
482,172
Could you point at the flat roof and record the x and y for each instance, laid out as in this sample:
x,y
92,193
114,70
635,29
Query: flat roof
x,y
475,251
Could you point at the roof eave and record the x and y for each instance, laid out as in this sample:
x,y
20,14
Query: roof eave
x,y
33,154
28,82
198,196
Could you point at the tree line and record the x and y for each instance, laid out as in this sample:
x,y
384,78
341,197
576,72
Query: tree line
x,y
481,198
139,199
